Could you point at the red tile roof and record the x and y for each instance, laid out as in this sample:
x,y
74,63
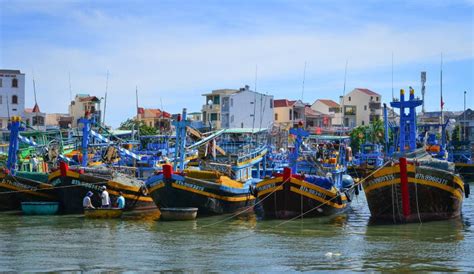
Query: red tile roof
x,y
152,112
368,92
36,108
329,103
282,103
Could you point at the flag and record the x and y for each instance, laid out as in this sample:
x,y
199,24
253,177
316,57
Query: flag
x,y
442,102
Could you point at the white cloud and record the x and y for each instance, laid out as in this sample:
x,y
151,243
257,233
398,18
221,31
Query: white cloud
x,y
178,62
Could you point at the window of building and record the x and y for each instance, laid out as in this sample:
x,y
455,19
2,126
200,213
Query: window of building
x,y
14,83
232,118
276,116
1,82
377,99
14,100
204,116
213,116
349,98
1,123
38,121
1,100
291,114
371,98
217,100
363,122
365,107
271,103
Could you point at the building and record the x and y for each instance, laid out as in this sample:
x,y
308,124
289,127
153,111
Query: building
x,y
289,113
430,120
155,118
82,104
328,107
316,120
466,123
196,120
58,120
12,95
361,106
211,110
35,118
243,108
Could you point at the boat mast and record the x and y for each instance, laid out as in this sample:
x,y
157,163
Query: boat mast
x,y
105,98
15,128
441,90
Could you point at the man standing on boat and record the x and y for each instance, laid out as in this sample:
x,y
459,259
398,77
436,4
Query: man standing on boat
x,y
87,203
105,197
120,201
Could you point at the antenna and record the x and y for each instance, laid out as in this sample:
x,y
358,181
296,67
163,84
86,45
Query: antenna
x,y
423,81
441,89
105,99
304,77
255,97
70,89
36,102
393,96
138,119
344,94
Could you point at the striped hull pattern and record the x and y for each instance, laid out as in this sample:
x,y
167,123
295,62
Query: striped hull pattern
x,y
72,188
434,194
210,198
14,190
288,198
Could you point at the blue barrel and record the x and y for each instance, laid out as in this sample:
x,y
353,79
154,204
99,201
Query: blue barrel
x,y
40,208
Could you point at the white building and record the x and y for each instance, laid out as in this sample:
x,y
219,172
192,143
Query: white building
x,y
82,104
361,106
12,95
35,118
328,107
247,109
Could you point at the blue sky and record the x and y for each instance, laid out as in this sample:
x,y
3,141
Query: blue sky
x,y
177,50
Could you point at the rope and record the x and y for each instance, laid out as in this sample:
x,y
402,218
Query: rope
x,y
245,210
416,198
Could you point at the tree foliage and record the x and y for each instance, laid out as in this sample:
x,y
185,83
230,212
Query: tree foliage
x,y
132,124
373,133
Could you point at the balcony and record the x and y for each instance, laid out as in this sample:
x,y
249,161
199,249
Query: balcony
x,y
375,105
211,108
374,117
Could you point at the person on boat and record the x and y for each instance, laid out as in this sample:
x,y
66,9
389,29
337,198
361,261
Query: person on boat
x,y
120,201
105,197
34,163
87,203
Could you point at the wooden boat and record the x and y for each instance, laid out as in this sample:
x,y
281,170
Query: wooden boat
x,y
178,214
461,155
72,184
40,208
19,181
369,159
223,186
413,186
103,213
290,194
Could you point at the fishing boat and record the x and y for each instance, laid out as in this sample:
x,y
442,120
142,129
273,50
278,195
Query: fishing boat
x,y
71,183
460,154
103,213
25,180
223,183
322,188
369,158
413,186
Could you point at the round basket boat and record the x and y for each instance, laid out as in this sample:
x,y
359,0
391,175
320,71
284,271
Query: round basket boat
x,y
178,213
103,213
40,208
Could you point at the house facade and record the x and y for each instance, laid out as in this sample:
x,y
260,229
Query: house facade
x,y
361,106
328,107
12,95
288,113
82,104
155,118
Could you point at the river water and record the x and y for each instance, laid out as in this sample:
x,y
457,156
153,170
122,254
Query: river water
x,y
344,242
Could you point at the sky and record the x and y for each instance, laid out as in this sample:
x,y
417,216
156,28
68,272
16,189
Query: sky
x,y
174,51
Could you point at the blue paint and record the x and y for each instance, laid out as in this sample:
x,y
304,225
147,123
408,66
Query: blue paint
x,y
15,128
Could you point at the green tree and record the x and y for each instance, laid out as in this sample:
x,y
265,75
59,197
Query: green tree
x,y
130,124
